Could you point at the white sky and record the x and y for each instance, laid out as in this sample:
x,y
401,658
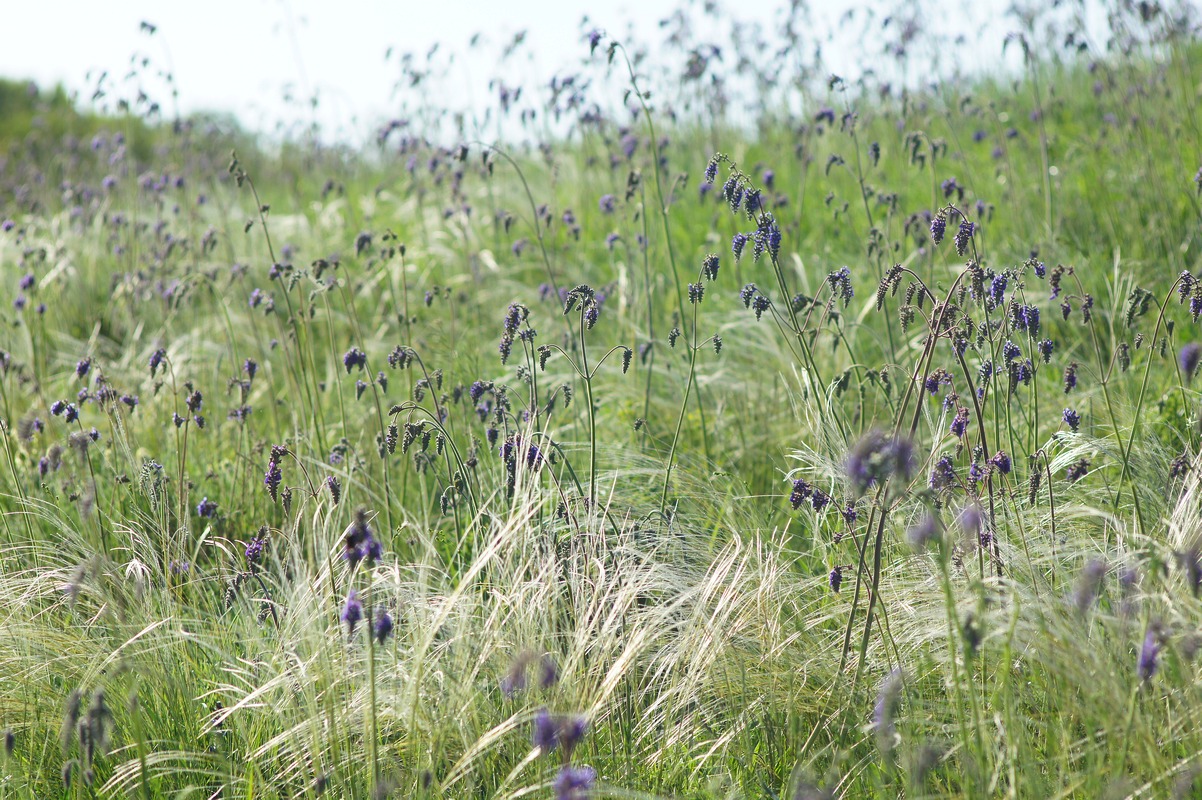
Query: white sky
x,y
239,55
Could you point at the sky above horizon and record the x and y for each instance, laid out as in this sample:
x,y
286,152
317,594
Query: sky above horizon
x,y
259,59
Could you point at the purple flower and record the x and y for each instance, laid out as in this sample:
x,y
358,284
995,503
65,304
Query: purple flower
x,y
354,358
82,367
1001,461
574,783
835,579
737,243
1149,655
272,479
383,628
206,508
254,548
997,290
964,235
943,476
1077,470
877,457
335,488
360,543
1026,318
1070,377
923,534
250,367
156,360
1072,418
960,422
607,203
938,228
352,612
546,731
801,491
1188,359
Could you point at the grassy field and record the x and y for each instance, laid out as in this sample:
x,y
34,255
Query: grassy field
x,y
846,452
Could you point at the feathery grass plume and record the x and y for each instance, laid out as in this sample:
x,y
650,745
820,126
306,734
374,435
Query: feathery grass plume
x,y
888,698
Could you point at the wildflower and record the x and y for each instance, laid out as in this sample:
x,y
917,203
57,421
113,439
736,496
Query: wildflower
x,y
352,612
548,672
925,533
82,367
943,476
938,228
960,422
354,358
574,783
1001,461
1072,418
359,543
801,491
546,731
997,290
1070,377
362,242
272,479
964,235
737,243
877,457
335,488
1077,470
1149,655
840,281
607,203
760,305
1045,350
250,367
1025,318
383,628
255,547
836,579
709,266
206,508
819,499
1188,358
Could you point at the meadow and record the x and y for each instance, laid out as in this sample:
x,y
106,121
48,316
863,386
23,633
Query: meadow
x,y
742,431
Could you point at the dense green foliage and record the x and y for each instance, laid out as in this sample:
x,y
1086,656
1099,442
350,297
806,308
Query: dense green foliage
x,y
928,526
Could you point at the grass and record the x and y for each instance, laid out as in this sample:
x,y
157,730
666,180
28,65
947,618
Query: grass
x,y
763,527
